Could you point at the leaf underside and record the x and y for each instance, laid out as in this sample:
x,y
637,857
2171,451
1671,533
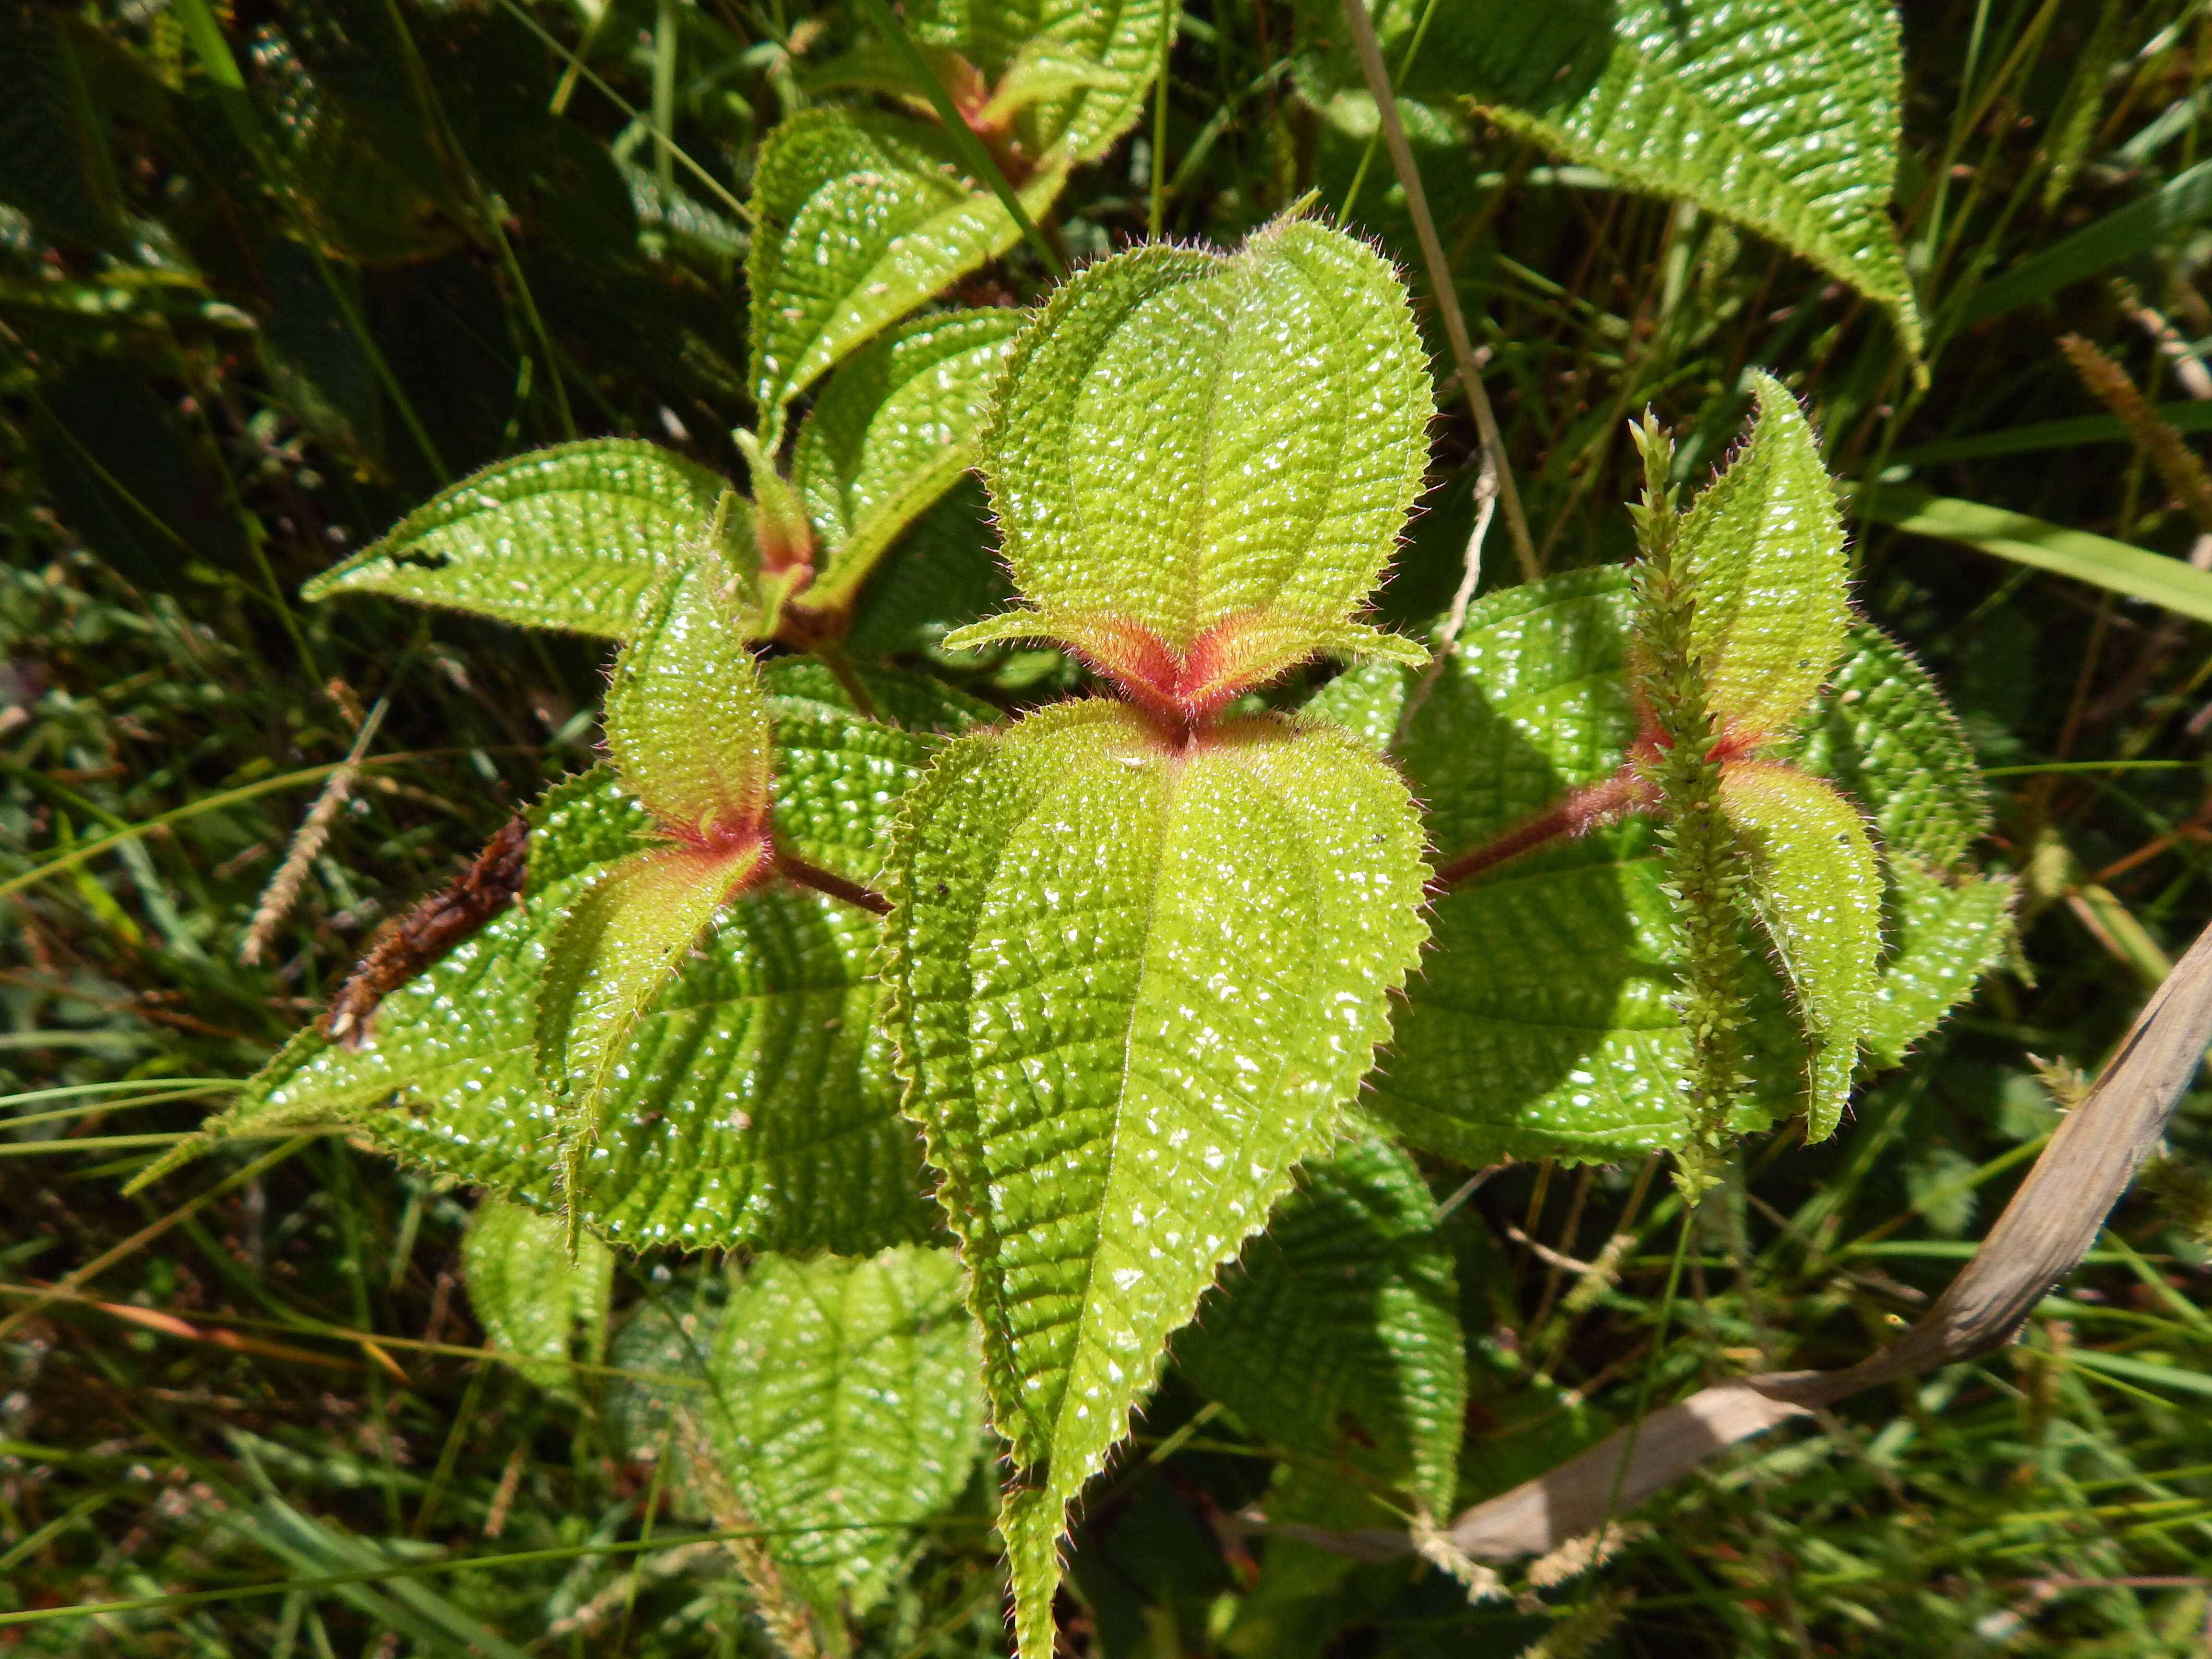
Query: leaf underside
x,y
581,536
1353,1279
1185,439
1540,1024
1132,987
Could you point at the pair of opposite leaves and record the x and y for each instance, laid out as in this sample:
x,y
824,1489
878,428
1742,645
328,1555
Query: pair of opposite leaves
x,y
1139,956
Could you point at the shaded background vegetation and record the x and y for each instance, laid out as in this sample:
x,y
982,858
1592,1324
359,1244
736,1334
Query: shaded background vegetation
x,y
242,327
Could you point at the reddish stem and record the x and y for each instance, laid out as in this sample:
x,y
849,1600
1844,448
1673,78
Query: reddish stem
x,y
1582,811
827,881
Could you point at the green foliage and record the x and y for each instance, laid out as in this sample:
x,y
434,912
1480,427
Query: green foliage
x,y
531,1295
1352,1274
1066,79
1131,987
1542,1024
893,430
1817,888
1199,464
1762,552
1780,115
857,219
581,536
842,1411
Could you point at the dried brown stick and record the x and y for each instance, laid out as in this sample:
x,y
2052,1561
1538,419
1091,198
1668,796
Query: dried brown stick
x,y
2041,1237
1440,283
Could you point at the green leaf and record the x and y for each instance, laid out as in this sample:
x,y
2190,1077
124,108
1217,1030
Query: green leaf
x,y
1068,75
1764,548
1780,115
686,724
1201,463
1818,891
530,1297
1540,1024
1352,1277
754,1104
1132,985
578,536
857,219
845,1412
2097,560
1949,933
897,426
840,778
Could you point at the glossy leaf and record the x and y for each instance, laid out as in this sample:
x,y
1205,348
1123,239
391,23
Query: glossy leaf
x,y
1947,933
1338,1333
893,431
687,724
843,1410
859,218
1818,891
1764,548
1781,115
754,1104
1540,1023
1207,459
1132,985
531,1296
1067,76
580,536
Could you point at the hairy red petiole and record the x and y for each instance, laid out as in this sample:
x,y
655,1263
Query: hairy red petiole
x,y
1582,811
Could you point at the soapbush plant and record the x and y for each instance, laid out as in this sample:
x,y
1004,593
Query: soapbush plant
x,y
988,1042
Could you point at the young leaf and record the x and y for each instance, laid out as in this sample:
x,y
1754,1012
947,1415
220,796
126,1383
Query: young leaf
x,y
1818,891
1764,547
1132,985
530,1297
689,730
857,219
1202,463
754,1105
1781,115
897,426
1068,79
581,536
1351,1276
843,1411
1949,933
687,725
1540,1024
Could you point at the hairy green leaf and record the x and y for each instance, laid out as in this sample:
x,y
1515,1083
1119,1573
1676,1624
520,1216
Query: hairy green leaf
x,y
531,1297
1207,459
1133,985
1352,1280
1541,1024
1818,891
753,1104
857,219
579,537
843,1410
897,426
1948,934
687,725
1764,548
1781,115
1067,77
